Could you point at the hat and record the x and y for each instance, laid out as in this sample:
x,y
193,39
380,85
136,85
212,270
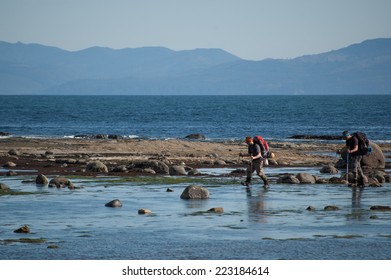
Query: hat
x,y
345,133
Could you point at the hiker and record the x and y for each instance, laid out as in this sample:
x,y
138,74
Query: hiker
x,y
256,162
352,148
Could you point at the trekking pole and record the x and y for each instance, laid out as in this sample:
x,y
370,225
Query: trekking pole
x,y
347,167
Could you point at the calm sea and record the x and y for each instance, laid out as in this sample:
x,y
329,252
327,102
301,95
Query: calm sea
x,y
216,117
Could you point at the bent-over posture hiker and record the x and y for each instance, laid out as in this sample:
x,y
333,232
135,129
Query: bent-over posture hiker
x,y
353,150
256,162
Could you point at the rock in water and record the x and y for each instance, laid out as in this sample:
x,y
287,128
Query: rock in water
x,y
23,229
144,211
196,136
60,182
41,180
195,192
114,203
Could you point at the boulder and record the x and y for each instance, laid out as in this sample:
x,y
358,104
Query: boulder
x,y
60,182
288,179
41,180
114,203
177,170
306,178
156,165
97,166
195,192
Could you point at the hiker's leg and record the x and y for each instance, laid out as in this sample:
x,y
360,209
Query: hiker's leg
x,y
356,165
360,173
262,175
249,173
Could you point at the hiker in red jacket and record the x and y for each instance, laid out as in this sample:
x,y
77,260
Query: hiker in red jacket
x,y
256,162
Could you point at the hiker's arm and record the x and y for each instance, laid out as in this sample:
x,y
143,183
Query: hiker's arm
x,y
354,150
257,156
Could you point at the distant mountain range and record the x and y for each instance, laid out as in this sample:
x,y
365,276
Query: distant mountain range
x,y
363,68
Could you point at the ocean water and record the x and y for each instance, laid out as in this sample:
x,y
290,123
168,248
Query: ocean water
x,y
216,117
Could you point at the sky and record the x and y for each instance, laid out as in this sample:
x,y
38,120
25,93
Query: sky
x,y
250,29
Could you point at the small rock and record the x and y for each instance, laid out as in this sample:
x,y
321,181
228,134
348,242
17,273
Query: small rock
x,y
169,190
216,210
97,166
119,168
311,208
329,169
380,208
177,170
4,187
114,203
14,152
143,211
196,136
331,208
41,180
60,182
9,164
288,179
220,162
23,229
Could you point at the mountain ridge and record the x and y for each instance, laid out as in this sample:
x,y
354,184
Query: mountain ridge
x,y
361,68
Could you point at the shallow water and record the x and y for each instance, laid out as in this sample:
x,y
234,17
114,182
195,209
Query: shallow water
x,y
256,224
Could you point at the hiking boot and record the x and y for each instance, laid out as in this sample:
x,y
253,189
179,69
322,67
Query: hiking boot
x,y
265,182
246,183
361,184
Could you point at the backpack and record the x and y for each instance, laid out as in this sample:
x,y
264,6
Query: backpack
x,y
363,143
263,144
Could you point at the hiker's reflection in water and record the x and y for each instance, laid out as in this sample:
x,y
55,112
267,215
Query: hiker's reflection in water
x,y
256,205
357,213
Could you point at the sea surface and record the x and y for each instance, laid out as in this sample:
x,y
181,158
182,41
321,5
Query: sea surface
x,y
216,117
256,224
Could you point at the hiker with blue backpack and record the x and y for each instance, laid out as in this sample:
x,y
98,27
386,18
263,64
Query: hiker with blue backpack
x,y
357,145
257,151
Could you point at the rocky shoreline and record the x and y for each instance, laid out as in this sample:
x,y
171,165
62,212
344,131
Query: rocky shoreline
x,y
133,157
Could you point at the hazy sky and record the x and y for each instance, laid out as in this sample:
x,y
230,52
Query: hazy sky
x,y
250,29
